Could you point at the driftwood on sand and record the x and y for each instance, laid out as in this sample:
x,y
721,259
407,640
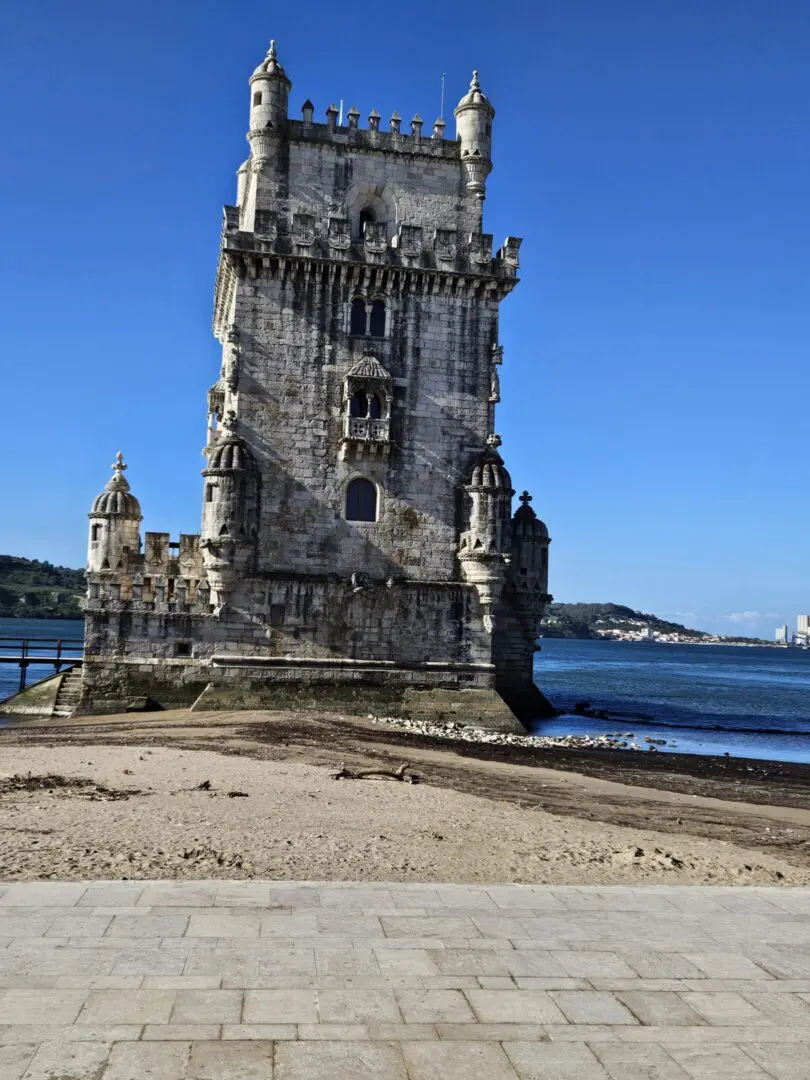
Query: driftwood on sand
x,y
401,773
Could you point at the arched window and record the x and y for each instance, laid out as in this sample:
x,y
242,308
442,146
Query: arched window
x,y
366,214
361,500
358,317
375,408
377,321
358,406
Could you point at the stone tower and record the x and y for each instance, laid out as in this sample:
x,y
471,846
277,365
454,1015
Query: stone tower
x,y
357,546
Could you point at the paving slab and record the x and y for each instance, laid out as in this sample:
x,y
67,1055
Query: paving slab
x,y
246,980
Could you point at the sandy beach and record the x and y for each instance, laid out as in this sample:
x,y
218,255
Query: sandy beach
x,y
241,795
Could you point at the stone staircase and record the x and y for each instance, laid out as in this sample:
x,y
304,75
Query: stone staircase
x,y
68,695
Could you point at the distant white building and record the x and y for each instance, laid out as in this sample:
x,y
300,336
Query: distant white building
x,y
782,635
803,629
647,634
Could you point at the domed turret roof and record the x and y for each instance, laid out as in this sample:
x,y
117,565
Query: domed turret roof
x,y
116,497
270,66
475,96
526,523
369,367
490,472
229,455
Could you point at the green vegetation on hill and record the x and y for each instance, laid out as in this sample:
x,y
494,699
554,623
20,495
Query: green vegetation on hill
x,y
592,620
30,589
604,620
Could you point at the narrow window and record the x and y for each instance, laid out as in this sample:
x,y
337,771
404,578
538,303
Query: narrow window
x,y
358,406
377,323
95,533
375,409
209,492
361,500
257,98
358,319
366,215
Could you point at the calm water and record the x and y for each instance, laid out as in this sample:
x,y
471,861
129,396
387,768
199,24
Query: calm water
x,y
709,699
751,702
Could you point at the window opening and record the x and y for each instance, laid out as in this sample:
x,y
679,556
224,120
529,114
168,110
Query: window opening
x,y
257,98
182,648
377,322
375,408
366,215
358,406
209,492
358,317
361,500
95,532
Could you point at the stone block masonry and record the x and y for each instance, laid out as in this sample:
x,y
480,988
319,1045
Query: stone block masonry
x,y
292,981
357,536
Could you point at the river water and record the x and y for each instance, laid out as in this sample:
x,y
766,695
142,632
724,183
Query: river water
x,y
709,699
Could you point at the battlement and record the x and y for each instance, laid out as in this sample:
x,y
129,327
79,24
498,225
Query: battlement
x,y
411,246
394,141
167,572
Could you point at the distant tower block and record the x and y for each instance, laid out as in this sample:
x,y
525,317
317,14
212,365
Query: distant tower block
x,y
358,549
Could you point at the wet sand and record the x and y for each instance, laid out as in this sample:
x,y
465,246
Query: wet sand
x,y
480,813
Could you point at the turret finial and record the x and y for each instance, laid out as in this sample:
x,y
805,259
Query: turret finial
x,y
475,84
525,498
271,52
118,482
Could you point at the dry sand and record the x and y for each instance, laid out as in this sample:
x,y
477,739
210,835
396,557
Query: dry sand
x,y
528,824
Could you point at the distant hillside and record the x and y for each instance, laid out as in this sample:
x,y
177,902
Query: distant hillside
x,y
599,621
595,620
30,589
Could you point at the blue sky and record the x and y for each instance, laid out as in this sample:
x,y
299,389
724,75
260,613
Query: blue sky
x,y
654,155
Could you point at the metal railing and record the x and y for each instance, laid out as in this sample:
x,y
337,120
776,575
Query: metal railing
x,y
56,652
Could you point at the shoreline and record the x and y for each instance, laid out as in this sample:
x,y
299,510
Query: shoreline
x,y
481,811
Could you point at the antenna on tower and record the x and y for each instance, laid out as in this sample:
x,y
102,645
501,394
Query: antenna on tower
x,y
340,118
441,104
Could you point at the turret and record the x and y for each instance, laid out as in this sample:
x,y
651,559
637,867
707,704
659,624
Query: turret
x,y
269,93
474,115
230,515
485,544
529,566
114,523
269,99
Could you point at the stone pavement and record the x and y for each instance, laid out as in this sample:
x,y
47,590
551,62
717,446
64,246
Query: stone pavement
x,y
248,980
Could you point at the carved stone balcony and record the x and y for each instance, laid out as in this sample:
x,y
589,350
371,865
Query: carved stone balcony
x,y
365,436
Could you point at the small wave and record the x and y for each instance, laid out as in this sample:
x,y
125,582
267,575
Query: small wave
x,y
629,721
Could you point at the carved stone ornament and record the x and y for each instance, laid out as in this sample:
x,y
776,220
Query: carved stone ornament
x,y
339,237
360,581
375,240
229,420
266,226
481,248
445,245
510,252
494,377
409,241
230,359
304,229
